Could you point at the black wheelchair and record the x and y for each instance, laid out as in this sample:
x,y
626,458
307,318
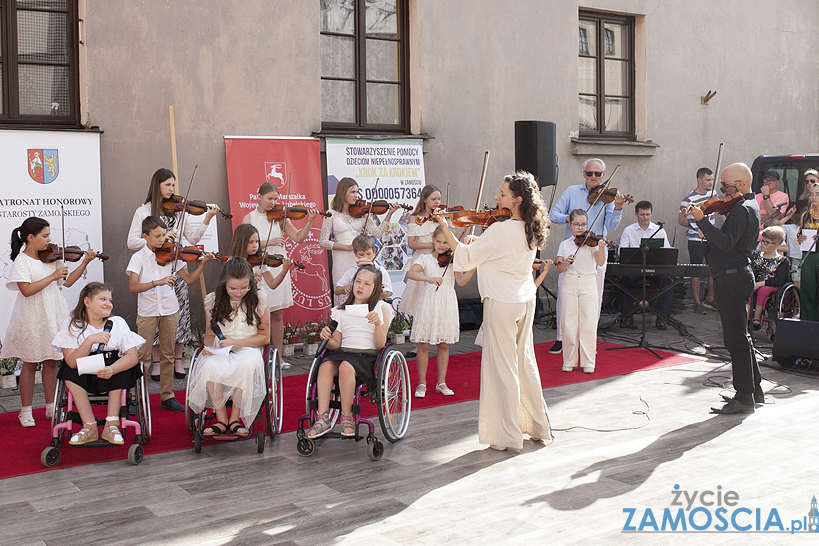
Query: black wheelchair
x,y
268,419
392,395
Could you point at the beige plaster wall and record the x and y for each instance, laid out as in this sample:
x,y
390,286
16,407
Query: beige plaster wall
x,y
252,67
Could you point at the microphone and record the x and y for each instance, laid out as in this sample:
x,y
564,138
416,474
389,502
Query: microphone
x,y
109,325
333,325
216,329
661,224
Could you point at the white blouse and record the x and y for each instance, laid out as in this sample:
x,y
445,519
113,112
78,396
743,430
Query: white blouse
x,y
357,332
122,338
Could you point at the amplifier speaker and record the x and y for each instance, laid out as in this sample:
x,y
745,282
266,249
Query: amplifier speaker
x,y
795,339
535,150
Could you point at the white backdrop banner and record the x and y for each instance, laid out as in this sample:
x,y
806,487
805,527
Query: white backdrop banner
x,y
398,165
39,172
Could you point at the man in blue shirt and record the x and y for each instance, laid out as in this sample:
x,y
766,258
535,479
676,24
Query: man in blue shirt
x,y
603,217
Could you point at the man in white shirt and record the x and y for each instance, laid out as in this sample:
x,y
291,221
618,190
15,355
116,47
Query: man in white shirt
x,y
632,236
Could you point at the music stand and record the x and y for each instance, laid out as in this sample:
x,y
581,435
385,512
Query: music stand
x,y
645,244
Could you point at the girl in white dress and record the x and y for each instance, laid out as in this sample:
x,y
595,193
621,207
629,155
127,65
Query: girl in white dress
x,y
343,228
80,335
271,234
352,348
163,187
436,313
240,310
511,401
38,311
419,239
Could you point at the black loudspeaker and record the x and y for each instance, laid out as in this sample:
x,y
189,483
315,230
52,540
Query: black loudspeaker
x,y
795,339
535,150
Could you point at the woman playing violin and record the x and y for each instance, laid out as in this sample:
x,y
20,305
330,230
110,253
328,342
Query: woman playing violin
x,y
161,188
272,234
511,398
343,228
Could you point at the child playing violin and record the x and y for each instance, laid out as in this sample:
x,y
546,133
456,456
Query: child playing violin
x,y
38,311
157,305
245,243
579,294
436,313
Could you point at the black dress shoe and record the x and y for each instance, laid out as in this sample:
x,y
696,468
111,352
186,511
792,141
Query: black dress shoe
x,y
179,375
759,397
627,322
734,407
172,404
661,325
155,378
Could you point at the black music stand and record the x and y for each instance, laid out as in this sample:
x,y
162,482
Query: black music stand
x,y
644,303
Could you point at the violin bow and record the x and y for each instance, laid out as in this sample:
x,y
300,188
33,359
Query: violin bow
x,y
596,199
62,220
181,225
370,208
716,173
480,186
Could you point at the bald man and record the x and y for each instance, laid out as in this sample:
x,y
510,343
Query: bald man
x,y
730,265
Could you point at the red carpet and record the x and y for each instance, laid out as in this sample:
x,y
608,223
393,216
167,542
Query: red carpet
x,y
170,434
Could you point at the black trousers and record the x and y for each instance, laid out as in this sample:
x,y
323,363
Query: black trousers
x,y
733,292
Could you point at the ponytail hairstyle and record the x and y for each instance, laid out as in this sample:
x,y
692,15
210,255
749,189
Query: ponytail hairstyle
x,y
428,190
241,238
267,187
19,236
532,210
378,287
79,315
344,186
154,195
236,268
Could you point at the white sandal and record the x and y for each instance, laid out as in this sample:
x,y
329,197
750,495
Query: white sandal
x,y
420,391
26,418
443,389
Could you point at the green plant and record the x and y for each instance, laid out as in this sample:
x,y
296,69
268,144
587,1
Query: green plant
x,y
400,322
8,366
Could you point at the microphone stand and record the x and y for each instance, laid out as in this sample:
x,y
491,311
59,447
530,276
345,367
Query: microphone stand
x,y
643,303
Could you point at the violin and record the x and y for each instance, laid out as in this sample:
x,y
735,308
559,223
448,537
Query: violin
x,y
73,253
721,205
421,220
483,218
270,260
607,195
361,207
278,212
445,258
174,203
590,239
188,254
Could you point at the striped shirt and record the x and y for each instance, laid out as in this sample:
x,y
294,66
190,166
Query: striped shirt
x,y
695,199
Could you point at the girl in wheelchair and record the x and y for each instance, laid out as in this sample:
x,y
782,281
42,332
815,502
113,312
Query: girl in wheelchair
x,y
85,332
363,320
770,268
240,311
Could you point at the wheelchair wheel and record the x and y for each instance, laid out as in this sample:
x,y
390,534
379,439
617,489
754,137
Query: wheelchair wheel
x,y
394,397
197,440
306,447
135,454
50,457
60,401
787,303
260,442
375,449
189,413
143,408
274,402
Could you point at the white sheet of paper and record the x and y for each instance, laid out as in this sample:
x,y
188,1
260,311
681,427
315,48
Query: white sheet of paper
x,y
90,365
359,311
221,351
808,243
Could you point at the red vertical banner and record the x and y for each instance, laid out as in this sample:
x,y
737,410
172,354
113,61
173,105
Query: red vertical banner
x,y
252,161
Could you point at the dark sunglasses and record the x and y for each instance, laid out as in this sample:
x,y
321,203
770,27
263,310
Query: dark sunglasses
x,y
594,173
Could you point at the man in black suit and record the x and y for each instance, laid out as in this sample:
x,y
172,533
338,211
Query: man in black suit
x,y
730,265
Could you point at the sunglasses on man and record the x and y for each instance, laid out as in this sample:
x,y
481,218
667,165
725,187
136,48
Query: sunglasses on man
x,y
594,173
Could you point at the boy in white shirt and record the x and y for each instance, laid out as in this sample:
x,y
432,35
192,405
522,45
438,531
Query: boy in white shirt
x,y
364,250
157,306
